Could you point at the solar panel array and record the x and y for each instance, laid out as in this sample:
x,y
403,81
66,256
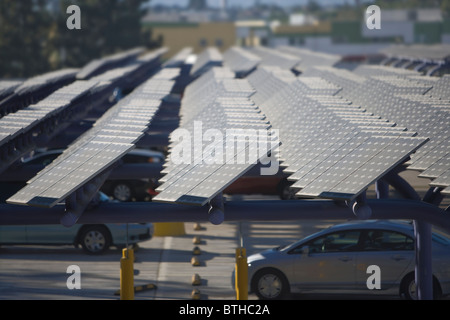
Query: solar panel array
x,y
15,95
311,58
112,137
330,147
19,131
215,101
277,58
419,103
7,87
209,58
179,59
99,66
340,130
334,131
439,52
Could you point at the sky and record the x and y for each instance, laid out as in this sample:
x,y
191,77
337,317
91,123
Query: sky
x,y
247,3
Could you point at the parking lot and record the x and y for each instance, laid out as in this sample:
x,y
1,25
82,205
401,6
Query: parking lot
x,y
39,272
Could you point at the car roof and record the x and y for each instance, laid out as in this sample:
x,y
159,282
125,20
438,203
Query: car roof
x,y
400,225
397,225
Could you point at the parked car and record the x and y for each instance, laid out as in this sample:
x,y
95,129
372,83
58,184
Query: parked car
x,y
94,239
253,182
265,185
122,190
142,189
337,258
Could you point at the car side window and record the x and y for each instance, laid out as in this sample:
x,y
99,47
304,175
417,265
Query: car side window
x,y
342,241
384,240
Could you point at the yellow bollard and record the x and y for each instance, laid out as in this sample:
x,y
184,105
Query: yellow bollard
x,y
241,281
127,275
169,229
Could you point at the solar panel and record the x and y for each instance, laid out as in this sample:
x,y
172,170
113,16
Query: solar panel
x,y
226,108
310,58
16,95
384,161
98,66
112,137
77,169
197,184
241,61
272,57
414,102
446,191
209,58
443,180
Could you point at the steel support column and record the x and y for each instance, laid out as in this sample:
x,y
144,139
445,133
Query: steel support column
x,y
424,270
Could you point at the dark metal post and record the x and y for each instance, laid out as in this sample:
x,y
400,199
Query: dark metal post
x,y
423,246
382,189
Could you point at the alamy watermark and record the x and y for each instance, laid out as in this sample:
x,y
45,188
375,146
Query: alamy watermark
x,y
234,146
74,280
373,17
74,20
374,280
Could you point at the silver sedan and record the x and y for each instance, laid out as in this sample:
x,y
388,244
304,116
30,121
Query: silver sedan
x,y
339,257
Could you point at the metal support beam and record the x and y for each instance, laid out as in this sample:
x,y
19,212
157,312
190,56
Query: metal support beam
x,y
360,207
382,189
273,210
78,201
423,250
401,185
424,270
216,210
422,232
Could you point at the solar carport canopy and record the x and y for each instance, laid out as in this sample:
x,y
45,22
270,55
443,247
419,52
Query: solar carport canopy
x,y
334,132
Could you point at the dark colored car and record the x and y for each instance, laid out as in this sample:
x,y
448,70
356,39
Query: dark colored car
x,y
134,189
122,190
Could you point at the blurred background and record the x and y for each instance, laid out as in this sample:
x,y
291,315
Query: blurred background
x,y
34,38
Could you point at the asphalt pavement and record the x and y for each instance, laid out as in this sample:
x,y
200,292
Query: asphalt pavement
x,y
164,268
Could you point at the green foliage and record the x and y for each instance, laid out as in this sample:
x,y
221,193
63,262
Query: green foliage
x,y
34,39
23,36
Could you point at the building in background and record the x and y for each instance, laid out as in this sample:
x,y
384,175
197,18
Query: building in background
x,y
340,31
198,36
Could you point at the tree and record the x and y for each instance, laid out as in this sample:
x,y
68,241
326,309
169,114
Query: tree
x,y
107,27
23,35
34,37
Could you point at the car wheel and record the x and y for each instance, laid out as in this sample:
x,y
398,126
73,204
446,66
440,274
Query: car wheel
x,y
409,289
122,192
95,239
270,284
